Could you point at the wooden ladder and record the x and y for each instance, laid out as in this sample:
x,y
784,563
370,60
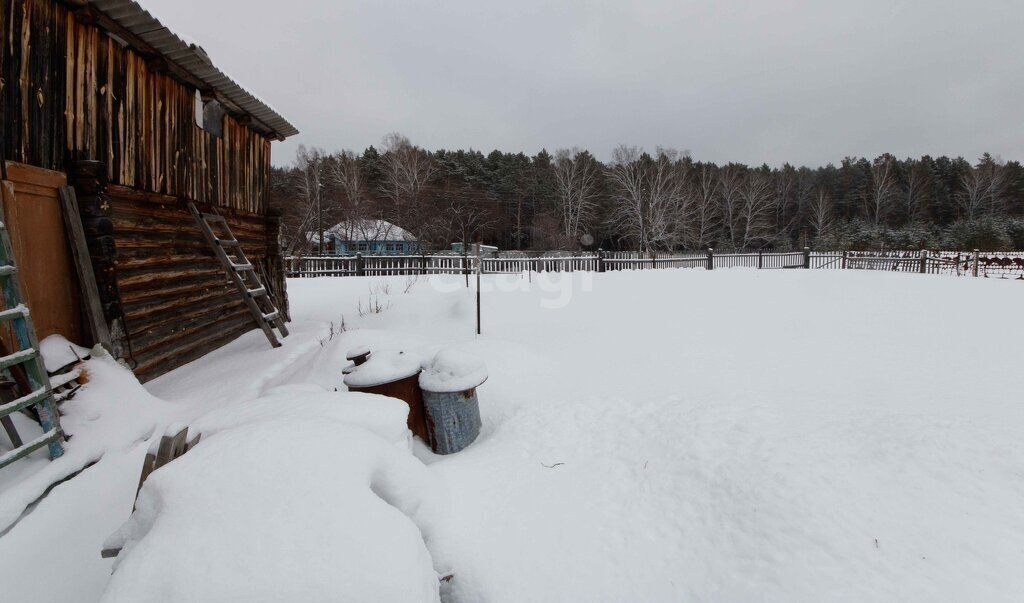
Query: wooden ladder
x,y
242,273
26,356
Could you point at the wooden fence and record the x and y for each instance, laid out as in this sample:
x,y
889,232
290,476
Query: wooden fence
x,y
1003,265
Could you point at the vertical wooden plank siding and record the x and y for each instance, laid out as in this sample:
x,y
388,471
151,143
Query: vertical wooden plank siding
x,y
71,92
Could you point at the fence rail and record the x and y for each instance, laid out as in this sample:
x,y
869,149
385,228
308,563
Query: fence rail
x,y
976,263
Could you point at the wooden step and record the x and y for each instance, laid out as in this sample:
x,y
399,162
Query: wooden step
x,y
23,402
19,311
44,440
17,358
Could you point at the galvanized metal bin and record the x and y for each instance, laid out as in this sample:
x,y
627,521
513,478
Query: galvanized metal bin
x,y
453,419
449,383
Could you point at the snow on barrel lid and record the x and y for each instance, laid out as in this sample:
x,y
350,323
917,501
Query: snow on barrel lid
x,y
452,371
385,366
357,352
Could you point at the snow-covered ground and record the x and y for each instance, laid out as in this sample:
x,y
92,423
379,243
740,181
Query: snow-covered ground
x,y
647,436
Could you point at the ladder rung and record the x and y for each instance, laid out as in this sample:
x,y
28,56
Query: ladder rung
x,y
9,457
19,311
7,270
214,218
17,358
272,316
25,401
228,242
241,267
257,292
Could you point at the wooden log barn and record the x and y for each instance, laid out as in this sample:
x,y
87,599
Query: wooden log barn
x,y
99,96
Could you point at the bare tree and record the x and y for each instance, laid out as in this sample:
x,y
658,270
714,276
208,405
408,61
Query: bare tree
x,y
406,171
576,191
362,222
648,197
878,201
345,173
705,215
820,212
758,208
467,220
310,202
732,201
995,179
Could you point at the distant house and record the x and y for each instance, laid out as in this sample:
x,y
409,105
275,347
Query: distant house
x,y
370,237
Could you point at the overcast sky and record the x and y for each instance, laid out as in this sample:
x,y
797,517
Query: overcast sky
x,y
760,81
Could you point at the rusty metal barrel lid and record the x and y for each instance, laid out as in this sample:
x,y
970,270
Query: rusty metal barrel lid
x,y
384,366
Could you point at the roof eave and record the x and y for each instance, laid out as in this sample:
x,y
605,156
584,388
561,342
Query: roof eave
x,y
144,30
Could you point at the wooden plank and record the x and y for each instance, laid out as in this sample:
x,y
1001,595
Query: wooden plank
x,y
83,264
36,226
36,176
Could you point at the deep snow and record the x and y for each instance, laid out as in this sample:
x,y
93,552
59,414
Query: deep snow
x,y
655,436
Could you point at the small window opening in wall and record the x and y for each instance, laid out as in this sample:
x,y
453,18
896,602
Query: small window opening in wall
x,y
209,115
213,117
199,109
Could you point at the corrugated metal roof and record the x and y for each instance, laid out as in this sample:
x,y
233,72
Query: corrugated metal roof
x,y
193,60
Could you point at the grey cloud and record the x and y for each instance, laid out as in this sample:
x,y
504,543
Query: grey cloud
x,y
806,82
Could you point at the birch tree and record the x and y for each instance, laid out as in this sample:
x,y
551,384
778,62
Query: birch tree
x,y
732,201
648,195
406,171
758,207
820,212
576,191
705,216
878,201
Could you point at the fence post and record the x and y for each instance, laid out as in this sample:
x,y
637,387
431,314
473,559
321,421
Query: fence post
x,y
807,257
923,268
479,270
600,260
360,267
974,264
842,262
760,258
711,258
958,263
423,263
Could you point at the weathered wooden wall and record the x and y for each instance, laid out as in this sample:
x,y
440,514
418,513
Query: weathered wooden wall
x,y
72,92
175,297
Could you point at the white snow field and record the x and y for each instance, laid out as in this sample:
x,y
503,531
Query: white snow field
x,y
670,435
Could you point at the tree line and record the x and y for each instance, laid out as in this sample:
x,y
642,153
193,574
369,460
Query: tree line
x,y
650,201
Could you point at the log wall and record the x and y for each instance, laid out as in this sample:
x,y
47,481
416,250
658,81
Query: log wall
x,y
176,300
